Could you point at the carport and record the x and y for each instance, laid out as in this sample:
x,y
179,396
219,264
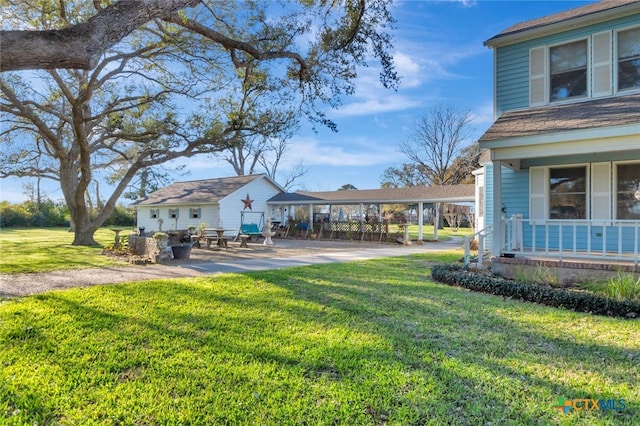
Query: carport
x,y
282,204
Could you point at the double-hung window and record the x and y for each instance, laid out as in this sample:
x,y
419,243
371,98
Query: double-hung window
x,y
628,191
568,193
629,59
568,69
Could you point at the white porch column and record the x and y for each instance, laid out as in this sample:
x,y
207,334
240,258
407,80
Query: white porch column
x,y
436,220
310,215
420,220
497,237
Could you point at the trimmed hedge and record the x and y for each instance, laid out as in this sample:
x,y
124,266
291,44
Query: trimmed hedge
x,y
453,274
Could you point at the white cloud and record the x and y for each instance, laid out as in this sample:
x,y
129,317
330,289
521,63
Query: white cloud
x,y
482,117
377,105
356,152
408,69
466,3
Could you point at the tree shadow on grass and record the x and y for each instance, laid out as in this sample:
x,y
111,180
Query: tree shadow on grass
x,y
383,349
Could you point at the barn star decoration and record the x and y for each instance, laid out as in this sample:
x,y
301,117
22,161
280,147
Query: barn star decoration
x,y
247,202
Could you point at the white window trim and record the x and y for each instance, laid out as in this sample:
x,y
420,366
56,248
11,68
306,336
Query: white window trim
x,y
615,61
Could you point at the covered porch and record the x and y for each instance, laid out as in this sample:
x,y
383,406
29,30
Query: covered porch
x,y
564,185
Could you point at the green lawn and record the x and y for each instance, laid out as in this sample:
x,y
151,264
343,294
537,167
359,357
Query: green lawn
x,y
48,249
428,234
373,342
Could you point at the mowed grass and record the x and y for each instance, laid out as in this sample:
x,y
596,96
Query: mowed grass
x,y
363,343
428,232
49,249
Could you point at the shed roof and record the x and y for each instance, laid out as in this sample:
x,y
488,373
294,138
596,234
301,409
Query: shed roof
x,y
576,17
430,194
203,191
607,112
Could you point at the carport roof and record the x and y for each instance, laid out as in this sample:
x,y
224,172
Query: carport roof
x,y
412,195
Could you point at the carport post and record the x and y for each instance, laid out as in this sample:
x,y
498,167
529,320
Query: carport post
x,y
436,221
420,219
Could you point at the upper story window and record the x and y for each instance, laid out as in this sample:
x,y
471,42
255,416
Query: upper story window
x,y
568,66
629,59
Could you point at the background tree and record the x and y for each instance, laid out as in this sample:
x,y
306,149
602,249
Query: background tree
x,y
465,163
439,152
436,142
155,96
264,150
347,187
406,176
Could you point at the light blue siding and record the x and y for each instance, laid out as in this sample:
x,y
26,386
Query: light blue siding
x,y
515,192
512,62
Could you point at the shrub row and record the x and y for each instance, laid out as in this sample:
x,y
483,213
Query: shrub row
x,y
453,274
49,214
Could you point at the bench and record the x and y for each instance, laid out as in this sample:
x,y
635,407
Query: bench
x,y
221,242
250,229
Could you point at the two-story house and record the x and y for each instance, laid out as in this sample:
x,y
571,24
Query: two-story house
x,y
562,177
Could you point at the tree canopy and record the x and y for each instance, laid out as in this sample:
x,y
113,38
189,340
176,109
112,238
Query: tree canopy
x,y
161,82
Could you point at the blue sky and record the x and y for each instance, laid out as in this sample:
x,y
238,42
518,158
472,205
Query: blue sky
x,y
441,58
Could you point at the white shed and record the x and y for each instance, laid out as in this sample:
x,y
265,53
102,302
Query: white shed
x,y
218,203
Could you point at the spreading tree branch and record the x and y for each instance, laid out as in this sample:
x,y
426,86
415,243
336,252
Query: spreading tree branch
x,y
79,46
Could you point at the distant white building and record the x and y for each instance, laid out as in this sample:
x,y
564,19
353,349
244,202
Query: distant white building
x,y
219,203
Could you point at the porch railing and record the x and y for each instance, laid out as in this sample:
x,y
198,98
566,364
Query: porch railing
x,y
561,238
480,236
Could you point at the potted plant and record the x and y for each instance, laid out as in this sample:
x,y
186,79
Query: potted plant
x,y
181,251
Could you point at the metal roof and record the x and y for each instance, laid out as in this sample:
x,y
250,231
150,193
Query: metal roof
x,y
415,194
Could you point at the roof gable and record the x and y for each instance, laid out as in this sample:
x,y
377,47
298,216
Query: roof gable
x,y
203,191
562,21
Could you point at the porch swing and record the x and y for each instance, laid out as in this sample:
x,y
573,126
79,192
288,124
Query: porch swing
x,y
251,223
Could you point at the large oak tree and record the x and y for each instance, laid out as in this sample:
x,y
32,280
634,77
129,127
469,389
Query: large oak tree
x,y
133,84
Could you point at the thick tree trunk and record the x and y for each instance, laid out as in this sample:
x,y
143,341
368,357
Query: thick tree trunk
x,y
83,236
80,46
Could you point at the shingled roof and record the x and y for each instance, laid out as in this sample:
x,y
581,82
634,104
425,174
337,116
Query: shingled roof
x,y
608,112
580,16
448,193
204,191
